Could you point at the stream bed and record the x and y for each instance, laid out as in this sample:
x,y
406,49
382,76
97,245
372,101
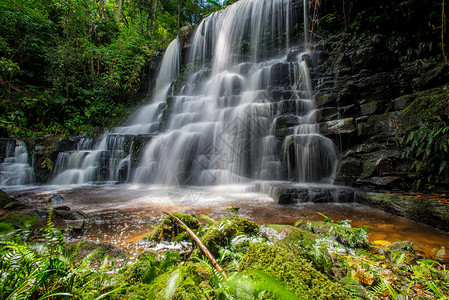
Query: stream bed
x,y
123,214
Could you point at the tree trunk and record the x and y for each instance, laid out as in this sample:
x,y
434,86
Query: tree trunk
x,y
119,11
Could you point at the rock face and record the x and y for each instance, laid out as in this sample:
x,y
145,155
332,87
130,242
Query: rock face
x,y
361,90
431,212
290,193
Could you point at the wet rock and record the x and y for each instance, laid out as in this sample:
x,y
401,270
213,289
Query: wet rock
x,y
372,108
282,125
348,170
66,213
66,145
75,226
40,213
433,213
403,247
280,75
434,78
384,125
185,35
290,193
372,54
377,162
335,127
325,114
403,101
388,182
56,199
352,110
324,98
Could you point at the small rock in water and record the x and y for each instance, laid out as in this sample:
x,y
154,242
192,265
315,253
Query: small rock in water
x,y
56,198
40,213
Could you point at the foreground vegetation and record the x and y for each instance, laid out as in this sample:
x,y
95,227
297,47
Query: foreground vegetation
x,y
310,260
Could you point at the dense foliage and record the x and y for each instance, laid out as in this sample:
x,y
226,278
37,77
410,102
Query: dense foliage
x,y
425,129
311,260
70,65
417,28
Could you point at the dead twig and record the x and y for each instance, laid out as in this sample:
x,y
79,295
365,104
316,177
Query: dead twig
x,y
200,244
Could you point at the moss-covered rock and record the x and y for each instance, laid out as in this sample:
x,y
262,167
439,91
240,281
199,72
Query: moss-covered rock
x,y
168,229
428,107
4,199
434,77
298,275
431,212
18,220
222,232
6,228
14,205
343,233
287,234
176,283
85,247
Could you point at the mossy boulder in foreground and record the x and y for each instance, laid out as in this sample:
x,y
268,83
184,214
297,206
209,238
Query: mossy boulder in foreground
x,y
298,275
287,234
222,232
18,220
168,229
4,199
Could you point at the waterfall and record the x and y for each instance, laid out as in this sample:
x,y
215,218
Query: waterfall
x,y
217,121
15,169
109,159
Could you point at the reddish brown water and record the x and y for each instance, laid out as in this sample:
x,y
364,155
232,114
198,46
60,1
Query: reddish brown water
x,y
124,214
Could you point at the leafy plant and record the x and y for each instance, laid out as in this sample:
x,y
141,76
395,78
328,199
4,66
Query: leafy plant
x,y
428,147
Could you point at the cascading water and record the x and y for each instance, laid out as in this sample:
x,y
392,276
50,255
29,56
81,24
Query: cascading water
x,y
15,169
218,124
109,159
222,122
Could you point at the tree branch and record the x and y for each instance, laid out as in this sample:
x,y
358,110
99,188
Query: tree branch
x,y
200,244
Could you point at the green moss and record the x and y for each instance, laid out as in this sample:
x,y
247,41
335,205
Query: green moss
x,y
18,220
430,106
86,247
289,234
424,126
4,199
14,205
170,229
298,275
177,283
342,233
222,232
6,228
